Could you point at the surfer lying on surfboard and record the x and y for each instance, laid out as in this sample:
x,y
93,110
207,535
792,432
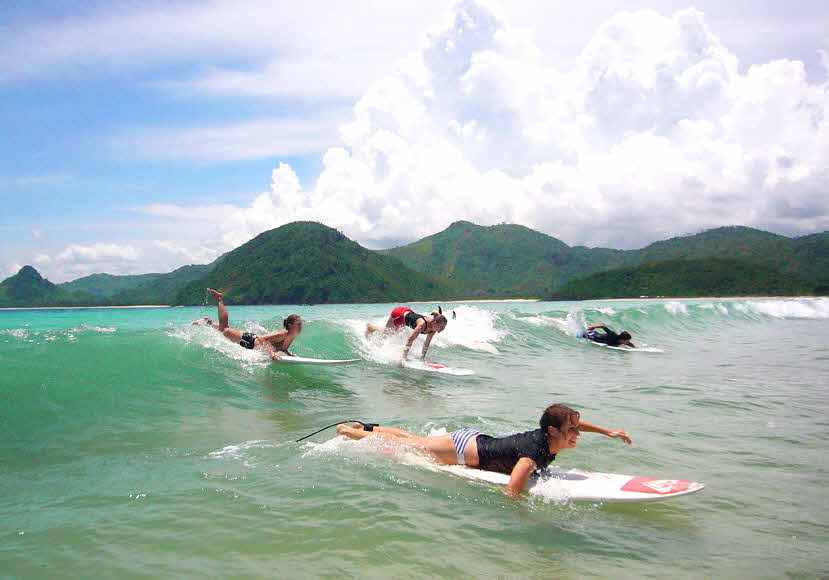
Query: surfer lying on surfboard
x,y
419,323
271,343
609,337
517,455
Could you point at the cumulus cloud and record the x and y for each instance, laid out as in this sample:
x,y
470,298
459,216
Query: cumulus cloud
x,y
98,252
193,254
655,131
80,260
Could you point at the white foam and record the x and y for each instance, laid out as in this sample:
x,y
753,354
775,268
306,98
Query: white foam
x,y
675,307
103,329
473,328
237,451
210,338
814,308
573,324
21,333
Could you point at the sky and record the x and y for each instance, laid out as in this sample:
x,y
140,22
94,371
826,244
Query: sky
x,y
141,136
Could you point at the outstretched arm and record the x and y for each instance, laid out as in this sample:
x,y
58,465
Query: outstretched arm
x,y
417,330
519,476
426,344
286,343
602,326
585,427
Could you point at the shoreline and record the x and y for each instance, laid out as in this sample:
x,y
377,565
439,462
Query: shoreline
x,y
476,300
689,298
85,307
493,300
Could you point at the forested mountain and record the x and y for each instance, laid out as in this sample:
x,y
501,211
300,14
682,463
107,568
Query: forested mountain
x,y
107,285
28,288
307,262
685,278
510,260
163,288
502,261
805,257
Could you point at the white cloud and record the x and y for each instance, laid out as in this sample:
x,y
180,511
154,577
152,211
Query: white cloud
x,y
42,259
653,132
266,138
98,252
285,47
193,254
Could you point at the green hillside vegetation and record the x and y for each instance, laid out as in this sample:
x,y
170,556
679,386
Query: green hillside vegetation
x,y
309,263
502,261
507,260
107,285
306,262
685,278
28,288
806,257
163,288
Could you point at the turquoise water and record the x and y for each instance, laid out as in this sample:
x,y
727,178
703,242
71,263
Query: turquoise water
x,y
136,444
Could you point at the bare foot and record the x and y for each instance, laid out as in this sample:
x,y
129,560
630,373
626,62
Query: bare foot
x,y
215,294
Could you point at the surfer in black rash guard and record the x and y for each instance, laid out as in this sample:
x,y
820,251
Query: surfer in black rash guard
x,y
271,343
517,455
419,323
609,337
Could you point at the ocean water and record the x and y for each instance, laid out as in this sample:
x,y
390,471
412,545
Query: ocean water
x,y
133,443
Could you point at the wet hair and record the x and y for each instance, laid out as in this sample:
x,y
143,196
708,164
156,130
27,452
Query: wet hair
x,y
557,416
292,319
624,335
439,319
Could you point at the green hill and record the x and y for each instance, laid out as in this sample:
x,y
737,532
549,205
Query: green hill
x,y
509,260
806,258
162,288
307,262
502,261
107,285
28,288
685,278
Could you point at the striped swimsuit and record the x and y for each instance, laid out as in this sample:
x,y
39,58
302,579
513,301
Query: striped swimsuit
x,y
460,439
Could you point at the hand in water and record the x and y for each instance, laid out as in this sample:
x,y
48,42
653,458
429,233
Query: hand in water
x,y
619,434
274,355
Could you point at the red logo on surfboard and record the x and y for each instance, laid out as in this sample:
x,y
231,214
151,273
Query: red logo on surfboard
x,y
653,485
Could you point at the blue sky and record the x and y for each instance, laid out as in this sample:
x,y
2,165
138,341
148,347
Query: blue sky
x,y
143,136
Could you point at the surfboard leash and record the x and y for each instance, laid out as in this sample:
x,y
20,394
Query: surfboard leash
x,y
368,427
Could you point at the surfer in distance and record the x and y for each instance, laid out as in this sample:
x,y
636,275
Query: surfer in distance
x,y
419,323
609,337
270,343
517,455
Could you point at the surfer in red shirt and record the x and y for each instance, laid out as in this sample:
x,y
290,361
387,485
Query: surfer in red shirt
x,y
419,323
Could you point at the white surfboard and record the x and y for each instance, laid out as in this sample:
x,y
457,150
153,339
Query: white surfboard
x,y
435,367
578,485
284,358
